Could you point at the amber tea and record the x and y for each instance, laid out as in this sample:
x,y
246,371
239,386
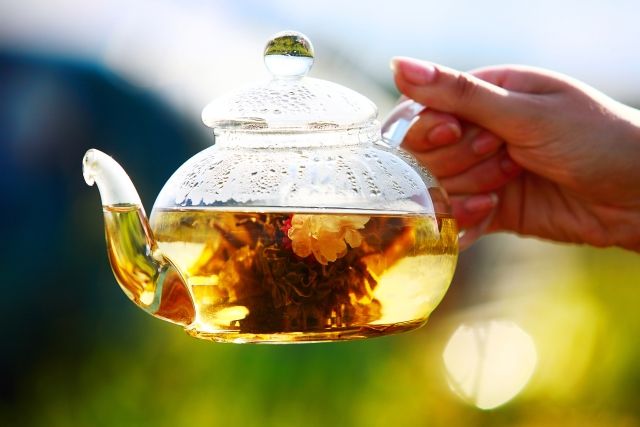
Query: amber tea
x,y
305,276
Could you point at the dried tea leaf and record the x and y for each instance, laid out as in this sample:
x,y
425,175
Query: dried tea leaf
x,y
285,291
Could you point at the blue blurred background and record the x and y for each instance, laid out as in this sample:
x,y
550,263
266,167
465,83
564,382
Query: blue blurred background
x,y
530,333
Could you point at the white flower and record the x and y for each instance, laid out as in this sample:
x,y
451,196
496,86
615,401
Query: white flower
x,y
325,236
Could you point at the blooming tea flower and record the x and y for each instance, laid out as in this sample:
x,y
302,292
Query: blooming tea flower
x,y
325,236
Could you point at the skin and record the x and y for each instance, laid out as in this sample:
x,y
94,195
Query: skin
x,y
549,155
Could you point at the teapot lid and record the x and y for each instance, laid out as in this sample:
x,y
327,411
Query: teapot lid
x,y
290,102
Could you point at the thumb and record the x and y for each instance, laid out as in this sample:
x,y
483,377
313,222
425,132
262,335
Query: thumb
x,y
444,89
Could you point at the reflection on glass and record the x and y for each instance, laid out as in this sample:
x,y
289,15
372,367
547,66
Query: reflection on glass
x,y
488,363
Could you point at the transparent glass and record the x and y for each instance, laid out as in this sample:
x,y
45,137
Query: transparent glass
x,y
296,228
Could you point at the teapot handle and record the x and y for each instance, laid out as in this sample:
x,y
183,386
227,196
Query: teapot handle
x,y
395,127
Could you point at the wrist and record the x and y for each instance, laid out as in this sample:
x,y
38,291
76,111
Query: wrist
x,y
618,209
628,231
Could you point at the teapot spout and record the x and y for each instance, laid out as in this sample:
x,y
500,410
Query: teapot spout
x,y
145,275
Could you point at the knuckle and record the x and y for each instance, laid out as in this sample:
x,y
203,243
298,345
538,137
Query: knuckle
x,y
465,88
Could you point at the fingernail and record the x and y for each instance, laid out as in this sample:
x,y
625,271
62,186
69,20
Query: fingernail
x,y
485,143
446,133
508,166
393,64
481,202
414,71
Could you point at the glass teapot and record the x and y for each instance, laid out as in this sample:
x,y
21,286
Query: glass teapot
x,y
302,222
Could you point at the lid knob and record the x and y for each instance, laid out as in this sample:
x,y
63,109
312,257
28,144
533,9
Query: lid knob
x,y
288,54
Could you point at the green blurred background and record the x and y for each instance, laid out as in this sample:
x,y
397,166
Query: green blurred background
x,y
530,333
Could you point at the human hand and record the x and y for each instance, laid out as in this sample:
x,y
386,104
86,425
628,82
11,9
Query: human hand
x,y
558,158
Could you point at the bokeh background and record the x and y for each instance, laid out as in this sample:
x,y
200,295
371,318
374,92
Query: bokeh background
x,y
530,333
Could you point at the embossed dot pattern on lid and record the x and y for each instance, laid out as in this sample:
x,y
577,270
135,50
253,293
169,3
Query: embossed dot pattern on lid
x,y
290,101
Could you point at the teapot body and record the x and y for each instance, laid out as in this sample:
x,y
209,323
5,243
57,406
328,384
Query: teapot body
x,y
309,243
299,224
